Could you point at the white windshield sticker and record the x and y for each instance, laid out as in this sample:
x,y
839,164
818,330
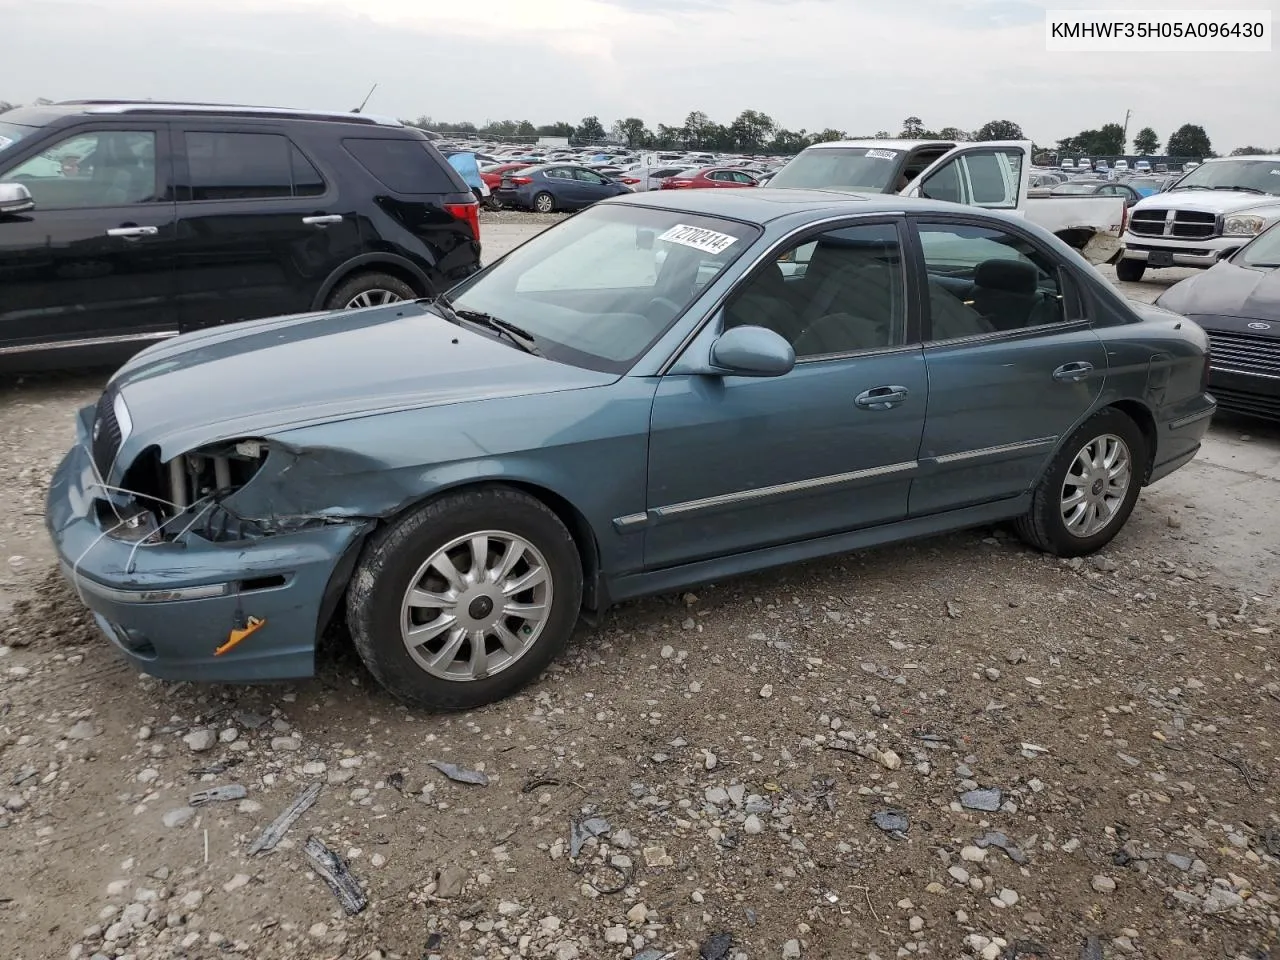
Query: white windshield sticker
x,y
881,154
699,238
4,142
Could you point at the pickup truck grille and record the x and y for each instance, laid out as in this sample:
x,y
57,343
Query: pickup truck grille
x,y
105,441
1248,354
1186,224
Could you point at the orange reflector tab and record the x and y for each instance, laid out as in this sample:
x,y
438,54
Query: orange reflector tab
x,y
239,633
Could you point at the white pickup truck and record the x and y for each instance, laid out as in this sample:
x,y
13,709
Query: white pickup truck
x,y
1209,214
992,175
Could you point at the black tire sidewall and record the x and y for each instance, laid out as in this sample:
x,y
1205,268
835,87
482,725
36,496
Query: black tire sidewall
x,y
353,286
1048,496
550,206
1134,268
389,561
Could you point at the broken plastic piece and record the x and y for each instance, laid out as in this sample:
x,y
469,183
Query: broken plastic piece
x,y
252,626
275,832
333,871
232,791
580,833
456,773
988,799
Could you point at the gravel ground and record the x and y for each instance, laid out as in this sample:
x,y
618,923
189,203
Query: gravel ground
x,y
955,748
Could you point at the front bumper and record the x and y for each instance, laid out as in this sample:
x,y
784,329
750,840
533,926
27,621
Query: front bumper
x,y
1185,253
1240,391
153,602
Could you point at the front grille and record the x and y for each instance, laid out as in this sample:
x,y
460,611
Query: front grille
x,y
105,441
1251,404
1186,225
1244,352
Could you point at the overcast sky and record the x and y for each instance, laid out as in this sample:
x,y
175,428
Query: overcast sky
x,y
857,65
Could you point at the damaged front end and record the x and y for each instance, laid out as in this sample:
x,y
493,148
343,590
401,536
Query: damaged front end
x,y
185,571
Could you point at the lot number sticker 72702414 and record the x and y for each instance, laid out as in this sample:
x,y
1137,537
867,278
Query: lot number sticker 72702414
x,y
700,238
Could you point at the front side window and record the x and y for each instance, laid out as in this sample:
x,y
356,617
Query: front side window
x,y
599,288
104,168
841,292
987,178
984,281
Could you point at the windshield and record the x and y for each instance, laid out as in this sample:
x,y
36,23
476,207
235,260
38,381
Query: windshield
x,y
1263,251
11,133
1258,175
841,168
598,289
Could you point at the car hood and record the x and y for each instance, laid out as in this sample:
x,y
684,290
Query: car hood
x,y
1206,201
264,376
1227,290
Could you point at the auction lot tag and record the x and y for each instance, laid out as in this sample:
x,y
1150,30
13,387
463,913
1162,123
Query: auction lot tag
x,y
4,142
709,241
881,154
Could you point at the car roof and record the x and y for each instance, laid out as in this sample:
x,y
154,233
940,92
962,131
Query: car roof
x,y
764,204
884,144
45,113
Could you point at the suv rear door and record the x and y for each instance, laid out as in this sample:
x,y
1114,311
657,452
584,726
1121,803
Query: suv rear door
x,y
261,225
92,264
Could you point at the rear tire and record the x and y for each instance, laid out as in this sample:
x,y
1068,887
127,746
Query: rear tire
x,y
544,203
419,602
1130,270
369,290
1077,507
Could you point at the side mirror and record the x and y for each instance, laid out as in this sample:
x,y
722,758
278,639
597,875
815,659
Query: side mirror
x,y
752,352
15,198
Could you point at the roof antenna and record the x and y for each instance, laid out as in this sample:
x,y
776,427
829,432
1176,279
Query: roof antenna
x,y
360,108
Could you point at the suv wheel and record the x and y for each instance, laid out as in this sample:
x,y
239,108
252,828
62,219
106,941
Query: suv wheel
x,y
1130,270
1089,490
467,599
544,202
369,290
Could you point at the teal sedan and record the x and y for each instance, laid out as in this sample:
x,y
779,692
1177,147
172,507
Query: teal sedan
x,y
667,389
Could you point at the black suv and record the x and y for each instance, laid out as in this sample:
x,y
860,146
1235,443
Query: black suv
x,y
123,223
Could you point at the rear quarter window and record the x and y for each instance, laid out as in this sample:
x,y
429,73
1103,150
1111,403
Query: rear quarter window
x,y
404,166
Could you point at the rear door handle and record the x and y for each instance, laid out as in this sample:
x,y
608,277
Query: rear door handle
x,y
323,221
1073,372
132,233
881,398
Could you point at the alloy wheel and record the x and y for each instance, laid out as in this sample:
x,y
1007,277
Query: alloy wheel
x,y
373,298
1095,486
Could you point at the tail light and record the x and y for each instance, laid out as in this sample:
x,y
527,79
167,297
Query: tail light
x,y
521,181
630,180
675,183
1124,220
468,213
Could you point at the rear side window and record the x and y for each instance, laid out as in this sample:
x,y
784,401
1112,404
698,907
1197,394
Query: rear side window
x,y
248,166
405,166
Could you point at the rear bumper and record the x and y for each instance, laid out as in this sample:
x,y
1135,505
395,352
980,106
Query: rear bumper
x,y
1179,437
169,606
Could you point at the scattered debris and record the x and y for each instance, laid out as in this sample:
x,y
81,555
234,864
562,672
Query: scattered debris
x,y
276,830
987,799
396,781
716,947
232,791
460,775
891,821
582,831
995,838
334,872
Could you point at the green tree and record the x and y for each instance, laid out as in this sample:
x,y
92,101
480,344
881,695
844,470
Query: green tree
x,y
590,129
526,129
1110,141
999,130
559,129
955,133
1248,151
912,128
1146,142
633,132
1189,140
788,141
828,135
879,135
696,126
752,130
669,137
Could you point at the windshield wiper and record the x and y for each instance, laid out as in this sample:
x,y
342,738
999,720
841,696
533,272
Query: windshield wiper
x,y
1192,186
1243,189
519,336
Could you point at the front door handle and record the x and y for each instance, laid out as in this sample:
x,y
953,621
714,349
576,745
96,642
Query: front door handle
x,y
323,221
132,233
1073,372
881,398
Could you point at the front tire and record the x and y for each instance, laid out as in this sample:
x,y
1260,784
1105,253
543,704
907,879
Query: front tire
x,y
1130,270
467,599
1087,493
544,203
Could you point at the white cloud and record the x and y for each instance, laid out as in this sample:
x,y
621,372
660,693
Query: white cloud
x,y
859,65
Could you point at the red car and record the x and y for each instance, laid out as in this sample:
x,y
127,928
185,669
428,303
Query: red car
x,y
709,177
493,176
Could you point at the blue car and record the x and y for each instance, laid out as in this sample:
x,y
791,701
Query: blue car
x,y
637,400
556,186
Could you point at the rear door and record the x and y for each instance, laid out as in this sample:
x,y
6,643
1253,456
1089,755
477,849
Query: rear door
x,y
260,226
93,262
991,175
1013,363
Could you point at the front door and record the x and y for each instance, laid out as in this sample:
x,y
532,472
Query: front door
x,y
1013,364
93,262
259,227
991,175
738,463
